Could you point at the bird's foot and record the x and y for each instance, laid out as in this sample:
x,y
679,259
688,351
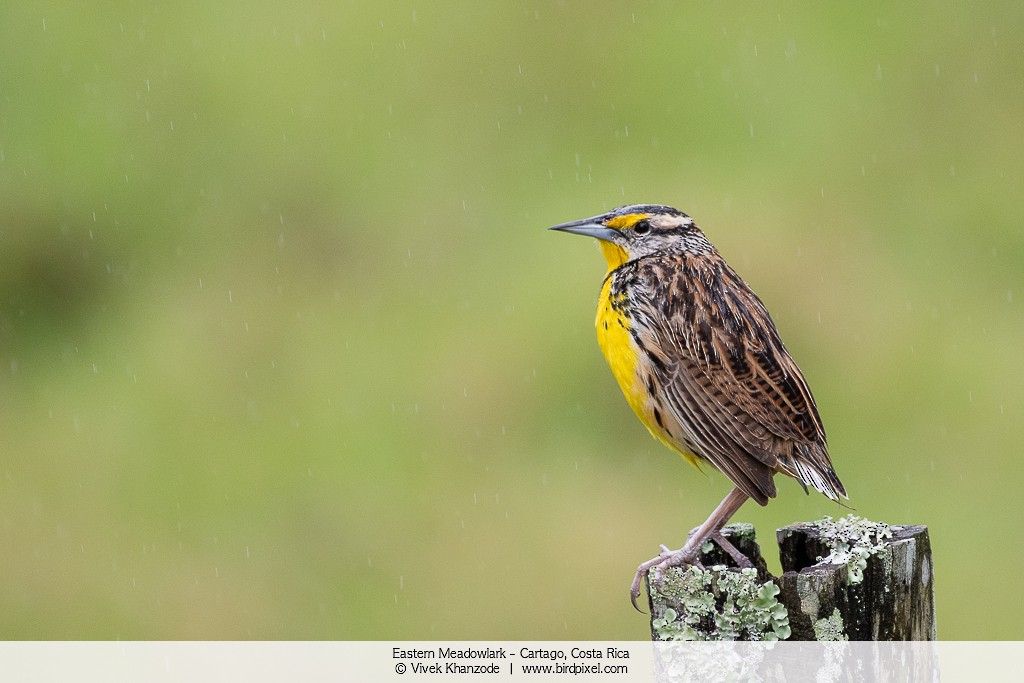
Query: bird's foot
x,y
688,555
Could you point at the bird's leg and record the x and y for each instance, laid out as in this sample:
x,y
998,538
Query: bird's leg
x,y
741,560
691,550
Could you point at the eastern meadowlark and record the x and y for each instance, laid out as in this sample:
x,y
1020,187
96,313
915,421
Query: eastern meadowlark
x,y
701,363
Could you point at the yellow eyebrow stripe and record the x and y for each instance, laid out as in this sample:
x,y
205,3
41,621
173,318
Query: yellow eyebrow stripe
x,y
626,221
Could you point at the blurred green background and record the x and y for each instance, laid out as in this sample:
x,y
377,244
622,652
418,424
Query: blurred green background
x,y
288,353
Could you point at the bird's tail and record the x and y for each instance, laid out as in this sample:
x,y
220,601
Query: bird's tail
x,y
811,466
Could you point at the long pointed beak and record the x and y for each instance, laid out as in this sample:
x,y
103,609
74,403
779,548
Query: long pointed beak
x,y
589,227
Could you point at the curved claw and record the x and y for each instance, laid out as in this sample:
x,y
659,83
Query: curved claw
x,y
634,593
641,572
665,560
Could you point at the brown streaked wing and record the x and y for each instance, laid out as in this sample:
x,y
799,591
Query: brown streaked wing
x,y
762,376
737,346
725,371
713,437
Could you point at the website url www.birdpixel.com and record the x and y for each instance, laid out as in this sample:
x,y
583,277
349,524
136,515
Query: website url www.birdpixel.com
x,y
575,668
574,661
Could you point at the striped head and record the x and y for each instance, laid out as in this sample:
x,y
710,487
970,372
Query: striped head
x,y
631,232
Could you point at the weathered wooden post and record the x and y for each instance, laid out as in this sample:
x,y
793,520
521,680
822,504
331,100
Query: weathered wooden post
x,y
845,579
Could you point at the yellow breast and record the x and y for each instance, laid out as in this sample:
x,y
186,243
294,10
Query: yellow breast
x,y
620,350
623,356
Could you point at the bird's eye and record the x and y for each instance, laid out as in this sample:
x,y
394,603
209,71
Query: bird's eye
x,y
642,228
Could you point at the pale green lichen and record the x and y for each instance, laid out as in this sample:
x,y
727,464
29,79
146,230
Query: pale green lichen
x,y
740,607
851,541
831,628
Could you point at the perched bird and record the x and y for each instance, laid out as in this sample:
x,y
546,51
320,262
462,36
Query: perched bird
x,y
701,363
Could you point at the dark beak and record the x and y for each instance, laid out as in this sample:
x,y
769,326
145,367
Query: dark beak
x,y
589,227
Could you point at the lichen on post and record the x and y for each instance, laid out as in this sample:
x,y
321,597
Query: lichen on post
x,y
846,579
719,603
878,578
